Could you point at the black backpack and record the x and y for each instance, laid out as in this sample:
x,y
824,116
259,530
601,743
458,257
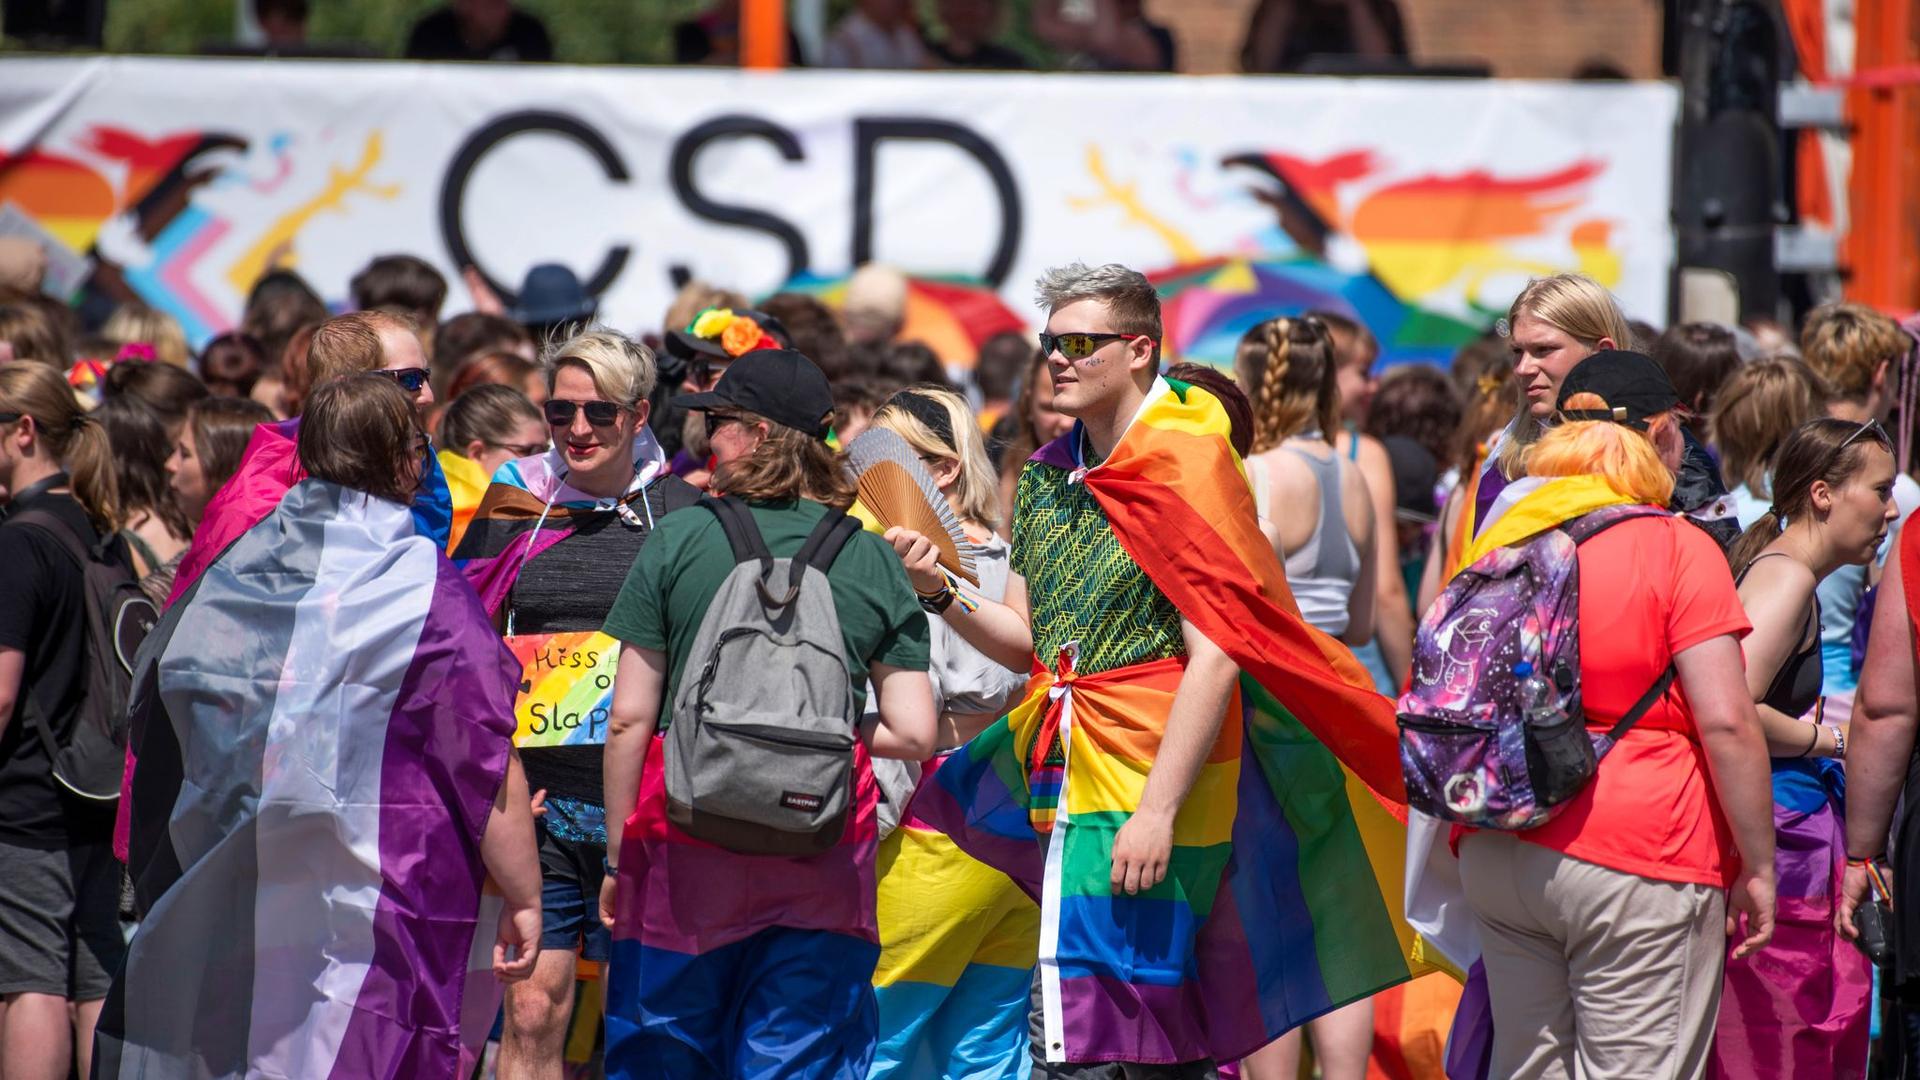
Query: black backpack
x,y
91,759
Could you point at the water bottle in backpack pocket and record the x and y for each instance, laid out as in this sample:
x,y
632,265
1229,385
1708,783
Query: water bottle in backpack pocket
x,y
1492,733
759,755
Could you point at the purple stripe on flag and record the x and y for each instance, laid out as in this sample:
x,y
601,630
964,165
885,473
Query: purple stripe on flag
x,y
438,776
1089,1004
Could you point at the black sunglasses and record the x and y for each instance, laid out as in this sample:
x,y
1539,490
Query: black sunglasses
x,y
10,417
1078,346
411,379
599,413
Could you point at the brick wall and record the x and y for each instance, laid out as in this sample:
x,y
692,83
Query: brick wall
x,y
1519,38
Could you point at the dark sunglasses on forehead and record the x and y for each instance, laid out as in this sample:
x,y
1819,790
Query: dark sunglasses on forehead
x,y
1879,435
411,379
1079,346
599,413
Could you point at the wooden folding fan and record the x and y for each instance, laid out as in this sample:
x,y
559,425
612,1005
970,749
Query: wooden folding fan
x,y
896,489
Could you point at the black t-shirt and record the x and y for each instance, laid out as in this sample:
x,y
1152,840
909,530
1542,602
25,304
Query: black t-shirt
x,y
437,37
570,586
43,614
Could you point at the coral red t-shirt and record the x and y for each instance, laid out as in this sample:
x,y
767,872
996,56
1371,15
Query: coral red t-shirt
x,y
1649,588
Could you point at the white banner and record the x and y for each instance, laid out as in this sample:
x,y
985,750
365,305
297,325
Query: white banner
x,y
184,179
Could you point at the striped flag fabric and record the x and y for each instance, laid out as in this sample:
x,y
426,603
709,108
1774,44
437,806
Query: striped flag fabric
x,y
323,724
1289,854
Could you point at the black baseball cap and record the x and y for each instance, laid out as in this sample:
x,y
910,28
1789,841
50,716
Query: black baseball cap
x,y
1633,387
779,384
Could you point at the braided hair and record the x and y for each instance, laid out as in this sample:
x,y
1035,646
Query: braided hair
x,y
1287,366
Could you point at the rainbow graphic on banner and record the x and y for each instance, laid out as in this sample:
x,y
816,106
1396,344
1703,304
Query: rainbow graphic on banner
x,y
1283,898
566,688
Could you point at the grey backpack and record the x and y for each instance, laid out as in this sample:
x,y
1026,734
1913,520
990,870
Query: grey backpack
x,y
760,748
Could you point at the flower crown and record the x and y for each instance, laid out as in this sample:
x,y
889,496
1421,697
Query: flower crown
x,y
737,334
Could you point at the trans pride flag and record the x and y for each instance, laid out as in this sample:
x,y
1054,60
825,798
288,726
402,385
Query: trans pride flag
x,y
323,724
1296,805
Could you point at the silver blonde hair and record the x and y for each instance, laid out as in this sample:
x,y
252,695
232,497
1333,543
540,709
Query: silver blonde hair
x,y
623,370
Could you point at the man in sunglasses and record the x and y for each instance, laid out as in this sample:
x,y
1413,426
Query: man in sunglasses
x,y
1140,583
363,341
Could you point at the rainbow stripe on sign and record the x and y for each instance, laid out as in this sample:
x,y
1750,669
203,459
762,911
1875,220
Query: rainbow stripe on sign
x,y
566,688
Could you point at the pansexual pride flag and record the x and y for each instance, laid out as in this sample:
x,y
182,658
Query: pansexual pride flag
x,y
323,724
1283,896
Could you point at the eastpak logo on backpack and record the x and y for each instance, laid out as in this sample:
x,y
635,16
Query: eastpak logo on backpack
x,y
1492,733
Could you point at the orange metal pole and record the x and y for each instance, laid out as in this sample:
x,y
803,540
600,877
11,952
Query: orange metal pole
x,y
1882,247
763,34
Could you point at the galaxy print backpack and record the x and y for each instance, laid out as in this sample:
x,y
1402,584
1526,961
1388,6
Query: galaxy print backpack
x,y
1492,734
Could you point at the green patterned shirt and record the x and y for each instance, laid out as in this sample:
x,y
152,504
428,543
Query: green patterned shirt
x,y
1081,584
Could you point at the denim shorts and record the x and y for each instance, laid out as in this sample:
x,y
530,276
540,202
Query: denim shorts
x,y
570,876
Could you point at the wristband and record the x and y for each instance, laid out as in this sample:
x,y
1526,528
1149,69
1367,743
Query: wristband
x,y
936,603
1839,741
1851,861
608,868
1811,743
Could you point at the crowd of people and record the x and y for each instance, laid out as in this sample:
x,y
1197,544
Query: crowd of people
x,y
443,658
965,35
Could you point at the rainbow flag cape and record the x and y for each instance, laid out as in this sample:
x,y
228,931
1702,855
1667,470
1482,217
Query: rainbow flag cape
x,y
959,944
1283,898
323,725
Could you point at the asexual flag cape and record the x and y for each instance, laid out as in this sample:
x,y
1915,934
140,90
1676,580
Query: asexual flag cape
x,y
323,723
1306,915
271,465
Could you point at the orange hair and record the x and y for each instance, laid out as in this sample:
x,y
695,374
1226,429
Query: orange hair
x,y
1628,459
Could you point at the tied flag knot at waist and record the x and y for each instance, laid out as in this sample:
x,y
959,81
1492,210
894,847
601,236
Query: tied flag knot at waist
x,y
1064,676
1068,683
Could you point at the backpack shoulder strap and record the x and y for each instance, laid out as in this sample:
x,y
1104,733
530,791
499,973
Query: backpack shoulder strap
x,y
63,535
823,544
36,710
1594,522
1654,693
743,536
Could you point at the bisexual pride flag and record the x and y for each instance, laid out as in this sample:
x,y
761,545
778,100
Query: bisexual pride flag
x,y
323,723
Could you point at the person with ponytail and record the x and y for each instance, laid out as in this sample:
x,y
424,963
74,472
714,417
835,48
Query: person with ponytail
x,y
59,883
1288,368
1832,506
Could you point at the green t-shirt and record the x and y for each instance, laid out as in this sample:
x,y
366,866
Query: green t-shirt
x,y
681,567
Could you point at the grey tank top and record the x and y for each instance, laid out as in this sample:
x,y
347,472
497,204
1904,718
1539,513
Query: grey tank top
x,y
1323,572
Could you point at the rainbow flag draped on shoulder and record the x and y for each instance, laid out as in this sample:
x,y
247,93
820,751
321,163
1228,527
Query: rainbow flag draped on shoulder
x,y
529,507
323,722
1283,896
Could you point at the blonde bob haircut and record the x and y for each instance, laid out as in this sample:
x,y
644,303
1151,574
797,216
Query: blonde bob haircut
x,y
1629,460
622,369
977,490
